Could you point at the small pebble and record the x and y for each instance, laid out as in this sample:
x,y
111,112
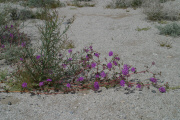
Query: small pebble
x,y
9,103
153,91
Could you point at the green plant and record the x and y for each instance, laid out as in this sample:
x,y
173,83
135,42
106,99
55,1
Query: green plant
x,y
165,44
144,29
157,11
125,4
172,29
81,3
37,68
43,3
3,75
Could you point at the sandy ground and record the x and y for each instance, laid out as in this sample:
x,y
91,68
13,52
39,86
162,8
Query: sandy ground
x,y
108,30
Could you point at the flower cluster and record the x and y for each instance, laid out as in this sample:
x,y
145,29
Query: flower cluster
x,y
102,74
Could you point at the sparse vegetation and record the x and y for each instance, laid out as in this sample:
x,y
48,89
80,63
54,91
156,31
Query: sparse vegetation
x,y
157,11
172,29
143,29
125,4
81,3
165,44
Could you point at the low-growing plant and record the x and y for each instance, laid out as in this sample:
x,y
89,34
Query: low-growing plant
x,y
125,4
10,40
172,29
43,3
165,44
49,67
3,75
144,29
157,11
81,3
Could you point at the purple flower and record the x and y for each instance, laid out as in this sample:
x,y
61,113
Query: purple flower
x,y
93,65
96,54
162,89
2,46
23,44
88,66
70,59
37,57
11,26
96,85
154,80
6,27
21,59
153,63
138,86
68,85
125,71
4,37
11,35
64,65
41,84
122,82
80,79
115,63
91,48
103,74
117,58
110,53
86,50
97,75
87,57
70,50
133,69
109,65
24,85
48,80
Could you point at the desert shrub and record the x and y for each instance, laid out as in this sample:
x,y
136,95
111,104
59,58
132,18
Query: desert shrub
x,y
43,3
22,14
81,3
10,39
172,29
124,3
43,62
158,11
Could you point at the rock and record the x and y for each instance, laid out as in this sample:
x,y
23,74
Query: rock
x,y
153,91
9,103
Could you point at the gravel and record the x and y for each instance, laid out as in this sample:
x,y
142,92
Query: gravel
x,y
108,30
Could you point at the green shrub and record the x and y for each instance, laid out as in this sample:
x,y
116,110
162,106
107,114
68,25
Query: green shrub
x,y
172,29
81,3
33,70
124,3
157,11
43,3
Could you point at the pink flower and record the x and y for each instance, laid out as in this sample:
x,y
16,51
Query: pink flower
x,y
38,57
93,65
103,74
68,85
122,82
41,84
96,54
70,50
96,85
115,63
109,65
48,80
80,79
110,53
24,85
133,69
